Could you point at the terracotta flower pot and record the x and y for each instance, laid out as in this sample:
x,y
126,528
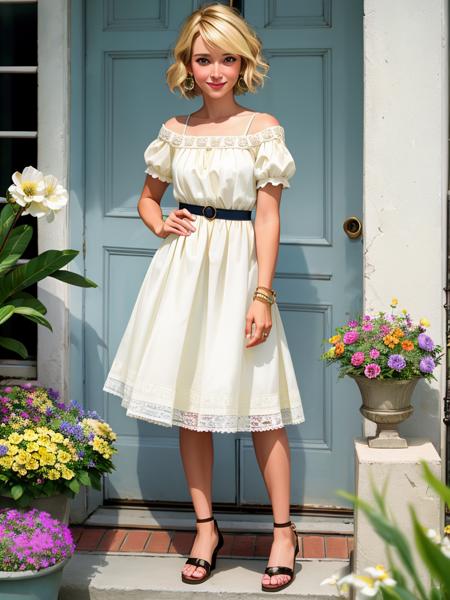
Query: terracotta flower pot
x,y
386,402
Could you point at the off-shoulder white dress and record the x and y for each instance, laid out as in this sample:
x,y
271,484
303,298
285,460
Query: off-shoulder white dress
x,y
182,359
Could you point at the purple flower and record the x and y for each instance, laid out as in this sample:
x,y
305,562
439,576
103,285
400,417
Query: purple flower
x,y
427,364
372,370
54,394
425,342
374,353
3,450
385,329
352,323
357,359
367,327
396,362
350,337
367,318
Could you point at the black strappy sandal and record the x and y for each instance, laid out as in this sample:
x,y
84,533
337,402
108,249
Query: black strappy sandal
x,y
271,571
201,562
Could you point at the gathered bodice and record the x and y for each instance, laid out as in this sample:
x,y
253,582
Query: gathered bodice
x,y
222,170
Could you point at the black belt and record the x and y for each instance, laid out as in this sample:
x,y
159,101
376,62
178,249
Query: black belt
x,y
210,212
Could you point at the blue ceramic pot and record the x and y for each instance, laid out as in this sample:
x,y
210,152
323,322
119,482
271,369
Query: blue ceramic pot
x,y
32,585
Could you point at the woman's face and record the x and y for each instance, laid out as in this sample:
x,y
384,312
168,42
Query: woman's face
x,y
211,66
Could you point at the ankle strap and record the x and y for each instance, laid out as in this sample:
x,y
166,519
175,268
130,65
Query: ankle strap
x,y
282,524
204,520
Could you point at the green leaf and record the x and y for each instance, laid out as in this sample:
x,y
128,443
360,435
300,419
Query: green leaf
x,y
74,485
16,491
6,312
15,246
436,561
436,484
14,345
84,478
33,315
397,593
7,217
34,270
26,299
73,279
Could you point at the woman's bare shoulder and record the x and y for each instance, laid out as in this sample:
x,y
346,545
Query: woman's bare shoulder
x,y
176,123
262,121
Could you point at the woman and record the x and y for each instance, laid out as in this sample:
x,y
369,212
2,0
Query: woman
x,y
205,347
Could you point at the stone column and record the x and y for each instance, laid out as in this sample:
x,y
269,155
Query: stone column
x,y
405,486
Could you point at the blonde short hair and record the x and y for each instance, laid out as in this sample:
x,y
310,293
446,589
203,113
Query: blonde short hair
x,y
224,28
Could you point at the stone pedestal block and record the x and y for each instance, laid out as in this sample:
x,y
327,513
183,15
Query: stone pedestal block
x,y
405,486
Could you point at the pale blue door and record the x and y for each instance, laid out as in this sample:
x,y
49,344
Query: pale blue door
x,y
315,89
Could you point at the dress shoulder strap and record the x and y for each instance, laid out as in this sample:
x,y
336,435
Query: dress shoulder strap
x,y
249,123
186,123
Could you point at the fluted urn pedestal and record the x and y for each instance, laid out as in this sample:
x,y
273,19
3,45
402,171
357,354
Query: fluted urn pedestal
x,y
386,402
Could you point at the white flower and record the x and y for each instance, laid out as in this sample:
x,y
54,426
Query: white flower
x,y
330,580
433,535
368,585
28,187
40,195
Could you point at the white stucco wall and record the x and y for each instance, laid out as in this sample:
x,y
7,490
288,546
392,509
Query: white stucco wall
x,y
405,176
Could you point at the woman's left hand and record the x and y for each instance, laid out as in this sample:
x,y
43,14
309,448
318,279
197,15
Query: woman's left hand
x,y
260,315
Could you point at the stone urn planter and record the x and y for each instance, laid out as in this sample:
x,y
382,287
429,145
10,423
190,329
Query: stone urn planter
x,y
386,402
32,585
58,506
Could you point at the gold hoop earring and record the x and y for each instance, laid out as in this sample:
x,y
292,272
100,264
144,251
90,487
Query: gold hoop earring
x,y
189,83
241,83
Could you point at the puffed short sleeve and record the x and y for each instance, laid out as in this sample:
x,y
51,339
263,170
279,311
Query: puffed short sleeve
x,y
158,159
274,163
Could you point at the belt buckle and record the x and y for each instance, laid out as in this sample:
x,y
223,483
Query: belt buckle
x,y
210,218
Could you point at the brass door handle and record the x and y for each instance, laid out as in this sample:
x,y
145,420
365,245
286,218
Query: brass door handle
x,y
353,227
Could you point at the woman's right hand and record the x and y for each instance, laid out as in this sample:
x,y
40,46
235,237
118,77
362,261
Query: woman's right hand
x,y
179,222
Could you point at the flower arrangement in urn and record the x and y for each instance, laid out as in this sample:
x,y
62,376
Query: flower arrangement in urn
x,y
34,549
386,354
48,447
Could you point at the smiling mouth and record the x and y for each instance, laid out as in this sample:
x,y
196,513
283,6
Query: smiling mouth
x,y
216,84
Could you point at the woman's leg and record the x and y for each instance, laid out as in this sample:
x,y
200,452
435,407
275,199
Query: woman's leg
x,y
197,455
273,456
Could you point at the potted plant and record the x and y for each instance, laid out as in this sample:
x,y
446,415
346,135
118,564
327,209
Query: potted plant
x,y
32,193
386,354
34,549
48,450
401,580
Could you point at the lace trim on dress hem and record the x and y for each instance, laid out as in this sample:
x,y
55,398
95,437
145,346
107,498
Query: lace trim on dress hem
x,y
221,141
167,417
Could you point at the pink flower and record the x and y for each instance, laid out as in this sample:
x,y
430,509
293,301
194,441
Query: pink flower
x,y
350,337
367,327
372,370
352,323
374,353
357,359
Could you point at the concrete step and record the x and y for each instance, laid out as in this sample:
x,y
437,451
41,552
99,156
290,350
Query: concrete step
x,y
114,576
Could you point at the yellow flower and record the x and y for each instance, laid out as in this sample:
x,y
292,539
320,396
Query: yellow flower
x,y
424,322
57,437
404,311
29,435
15,438
64,456
32,446
447,529
394,301
53,474
32,464
23,471
334,339
6,461
67,473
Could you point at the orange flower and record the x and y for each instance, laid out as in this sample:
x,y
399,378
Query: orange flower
x,y
339,349
390,340
407,345
398,332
